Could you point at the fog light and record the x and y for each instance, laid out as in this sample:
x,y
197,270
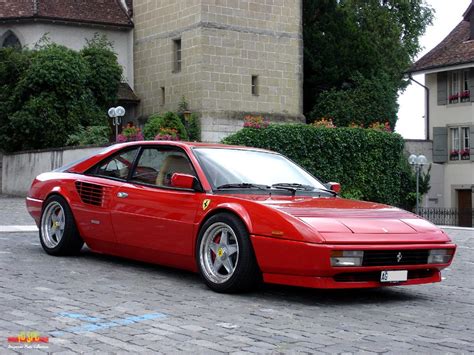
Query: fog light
x,y
440,256
347,257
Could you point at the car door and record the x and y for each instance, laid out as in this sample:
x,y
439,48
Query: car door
x,y
96,190
147,212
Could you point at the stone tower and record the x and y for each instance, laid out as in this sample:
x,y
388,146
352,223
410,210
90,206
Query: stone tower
x,y
228,58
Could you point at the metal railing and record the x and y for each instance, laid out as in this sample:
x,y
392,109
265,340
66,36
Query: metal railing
x,y
447,216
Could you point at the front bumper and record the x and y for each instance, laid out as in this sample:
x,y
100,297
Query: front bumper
x,y
308,265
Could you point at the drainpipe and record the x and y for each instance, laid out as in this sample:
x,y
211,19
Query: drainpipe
x,y
427,109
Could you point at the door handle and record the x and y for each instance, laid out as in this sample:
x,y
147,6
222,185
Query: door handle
x,y
122,195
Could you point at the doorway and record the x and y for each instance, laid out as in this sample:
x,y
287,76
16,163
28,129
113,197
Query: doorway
x,y
465,208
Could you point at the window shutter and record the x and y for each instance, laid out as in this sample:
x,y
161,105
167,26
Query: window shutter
x,y
471,83
440,144
442,88
471,141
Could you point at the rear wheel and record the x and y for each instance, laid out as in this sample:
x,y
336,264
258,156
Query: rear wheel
x,y
58,232
225,255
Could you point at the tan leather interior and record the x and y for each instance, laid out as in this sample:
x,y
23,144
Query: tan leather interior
x,y
173,164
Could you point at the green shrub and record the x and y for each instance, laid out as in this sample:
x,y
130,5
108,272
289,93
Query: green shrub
x,y
193,128
192,124
369,164
49,93
152,126
90,135
168,120
366,101
104,72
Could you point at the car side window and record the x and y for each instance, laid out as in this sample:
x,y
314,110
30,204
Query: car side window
x,y
156,166
118,166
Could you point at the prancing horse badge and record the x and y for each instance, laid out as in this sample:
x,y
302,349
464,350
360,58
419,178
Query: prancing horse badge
x,y
205,204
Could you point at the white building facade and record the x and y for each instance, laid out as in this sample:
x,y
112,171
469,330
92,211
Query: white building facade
x,y
449,77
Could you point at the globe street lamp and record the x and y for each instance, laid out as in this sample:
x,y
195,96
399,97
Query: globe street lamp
x,y
116,114
417,161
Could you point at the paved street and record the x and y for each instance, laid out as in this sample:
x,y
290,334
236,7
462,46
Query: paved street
x,y
95,303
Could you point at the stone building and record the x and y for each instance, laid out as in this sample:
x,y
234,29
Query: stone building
x,y
227,58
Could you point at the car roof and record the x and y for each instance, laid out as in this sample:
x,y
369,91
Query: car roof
x,y
83,164
188,144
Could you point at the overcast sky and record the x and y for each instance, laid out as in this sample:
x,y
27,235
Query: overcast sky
x,y
412,105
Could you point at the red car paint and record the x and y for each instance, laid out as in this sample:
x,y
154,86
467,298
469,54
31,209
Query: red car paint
x,y
292,236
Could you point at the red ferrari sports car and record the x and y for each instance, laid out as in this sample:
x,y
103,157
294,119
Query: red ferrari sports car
x,y
236,215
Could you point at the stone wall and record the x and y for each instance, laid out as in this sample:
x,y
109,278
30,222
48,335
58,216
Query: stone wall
x,y
20,169
224,44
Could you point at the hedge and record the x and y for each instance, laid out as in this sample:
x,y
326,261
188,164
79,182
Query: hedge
x,y
369,164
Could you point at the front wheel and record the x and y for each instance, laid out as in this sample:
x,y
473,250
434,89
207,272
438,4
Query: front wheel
x,y
58,232
225,255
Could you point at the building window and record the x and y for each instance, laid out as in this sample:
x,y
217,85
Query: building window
x,y
255,85
10,40
163,96
458,85
460,145
177,55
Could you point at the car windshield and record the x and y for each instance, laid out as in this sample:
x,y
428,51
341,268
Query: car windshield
x,y
238,168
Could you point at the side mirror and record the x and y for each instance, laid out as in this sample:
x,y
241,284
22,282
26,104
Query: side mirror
x,y
183,181
334,186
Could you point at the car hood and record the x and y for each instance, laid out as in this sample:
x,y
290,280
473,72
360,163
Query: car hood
x,y
340,220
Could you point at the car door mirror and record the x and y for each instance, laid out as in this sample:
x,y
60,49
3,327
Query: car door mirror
x,y
184,181
333,186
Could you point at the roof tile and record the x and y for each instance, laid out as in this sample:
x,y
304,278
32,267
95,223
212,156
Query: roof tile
x,y
455,49
108,12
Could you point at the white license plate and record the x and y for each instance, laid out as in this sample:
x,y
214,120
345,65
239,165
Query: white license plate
x,y
394,276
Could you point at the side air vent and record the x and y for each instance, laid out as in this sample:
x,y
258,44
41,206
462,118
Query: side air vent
x,y
91,194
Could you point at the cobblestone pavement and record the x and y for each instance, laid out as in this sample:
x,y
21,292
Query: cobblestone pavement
x,y
13,211
95,303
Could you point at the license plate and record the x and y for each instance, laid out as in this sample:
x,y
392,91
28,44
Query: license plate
x,y
394,276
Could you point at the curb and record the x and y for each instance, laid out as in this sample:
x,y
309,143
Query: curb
x,y
16,229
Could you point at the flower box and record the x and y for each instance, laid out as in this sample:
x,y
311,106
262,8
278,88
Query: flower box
x,y
454,155
453,99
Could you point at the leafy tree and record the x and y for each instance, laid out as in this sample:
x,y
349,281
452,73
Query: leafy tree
x,y
50,93
363,103
90,135
104,72
359,47
48,100
13,64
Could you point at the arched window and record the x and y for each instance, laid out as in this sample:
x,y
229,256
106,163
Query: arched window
x,y
10,40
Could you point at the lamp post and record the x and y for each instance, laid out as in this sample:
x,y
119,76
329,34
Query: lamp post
x,y
417,161
116,114
187,115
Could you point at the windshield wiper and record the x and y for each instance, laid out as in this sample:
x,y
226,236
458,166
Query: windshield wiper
x,y
293,187
243,185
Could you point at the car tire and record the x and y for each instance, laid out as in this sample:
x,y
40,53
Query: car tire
x,y
57,231
225,256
